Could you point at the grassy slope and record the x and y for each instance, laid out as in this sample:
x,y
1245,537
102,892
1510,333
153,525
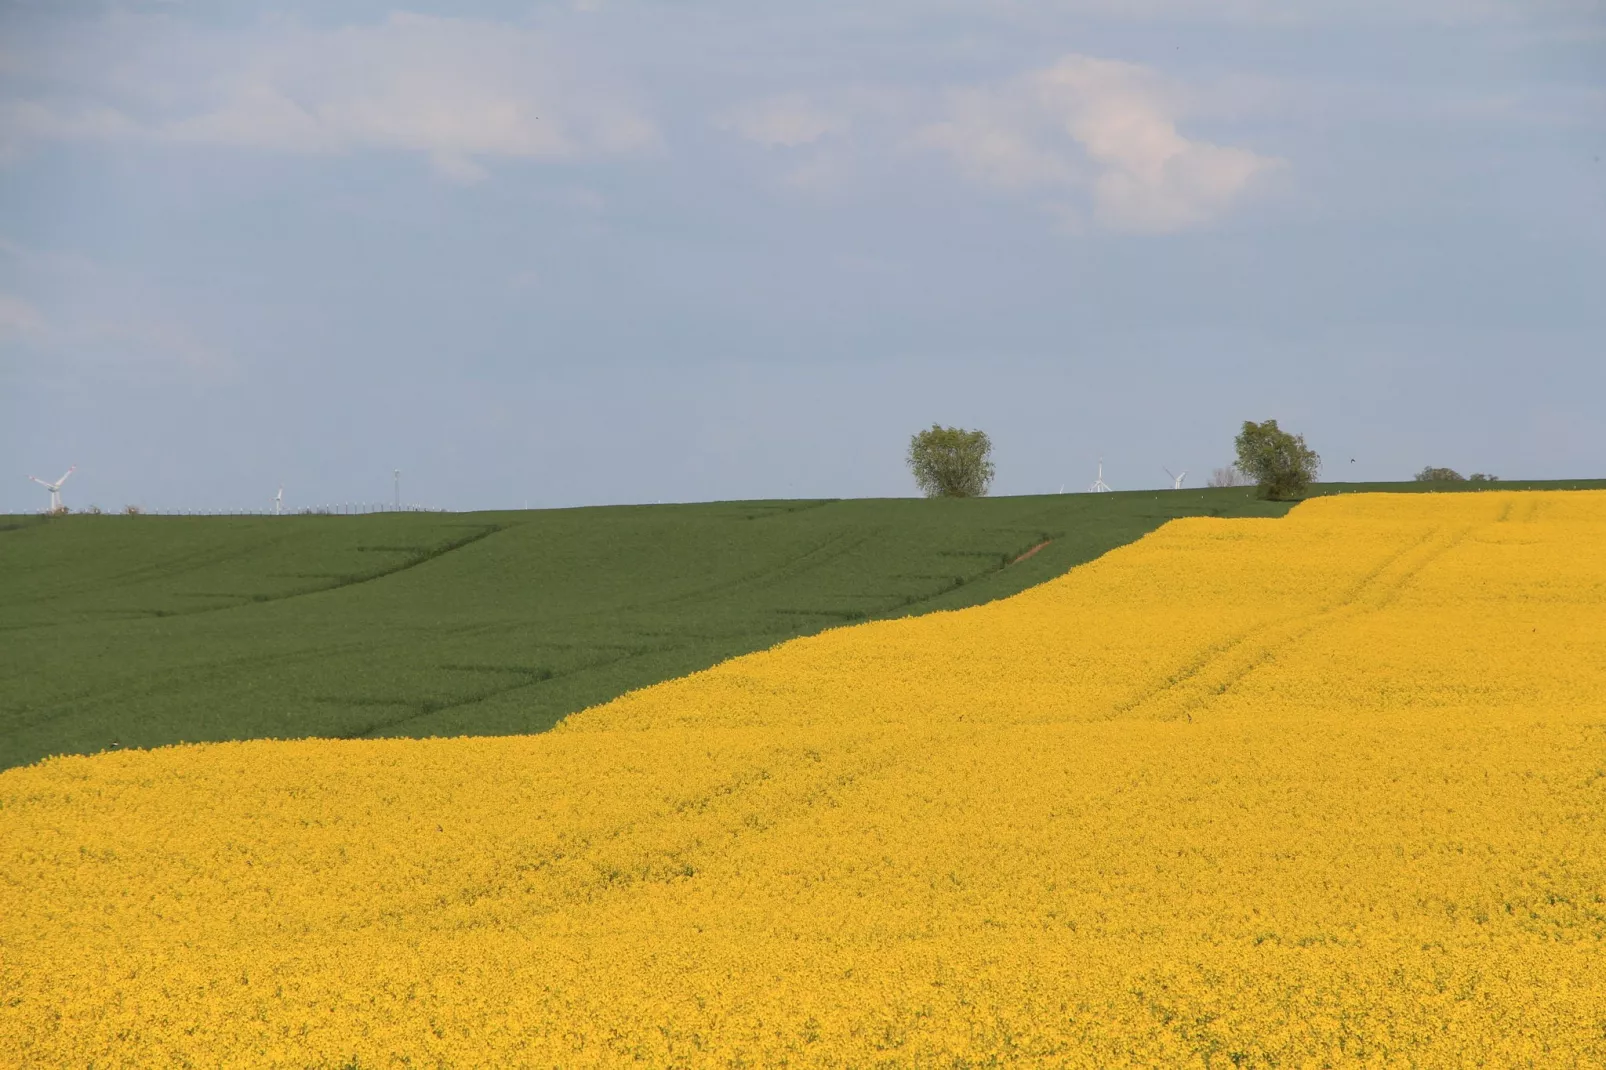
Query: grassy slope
x,y
139,631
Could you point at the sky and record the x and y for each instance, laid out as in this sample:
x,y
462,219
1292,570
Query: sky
x,y
584,253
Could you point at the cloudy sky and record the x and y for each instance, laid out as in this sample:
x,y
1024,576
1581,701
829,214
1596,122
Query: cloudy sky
x,y
613,251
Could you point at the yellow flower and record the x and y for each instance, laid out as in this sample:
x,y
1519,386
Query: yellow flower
x,y
1325,790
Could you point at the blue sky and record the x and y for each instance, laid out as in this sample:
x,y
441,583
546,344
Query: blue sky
x,y
603,252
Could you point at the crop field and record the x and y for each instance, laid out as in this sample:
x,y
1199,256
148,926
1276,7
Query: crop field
x,y
1323,790
140,631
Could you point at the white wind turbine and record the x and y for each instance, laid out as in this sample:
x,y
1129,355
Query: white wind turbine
x,y
1176,481
278,501
55,488
1099,486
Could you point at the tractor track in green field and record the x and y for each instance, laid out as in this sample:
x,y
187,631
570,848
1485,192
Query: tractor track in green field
x,y
813,558
124,689
169,570
422,557
801,507
428,708
1032,552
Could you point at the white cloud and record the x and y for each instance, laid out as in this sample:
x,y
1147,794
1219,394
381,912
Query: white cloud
x,y
788,121
456,167
152,337
19,318
995,140
454,90
89,338
1102,130
820,172
81,314
1326,12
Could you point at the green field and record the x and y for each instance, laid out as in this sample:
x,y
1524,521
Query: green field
x,y
145,630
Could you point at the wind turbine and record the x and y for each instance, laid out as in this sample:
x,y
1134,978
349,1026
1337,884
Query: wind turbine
x,y
55,488
278,501
1099,486
1176,481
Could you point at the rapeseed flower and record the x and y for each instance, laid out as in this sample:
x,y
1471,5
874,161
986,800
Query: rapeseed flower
x,y
1319,791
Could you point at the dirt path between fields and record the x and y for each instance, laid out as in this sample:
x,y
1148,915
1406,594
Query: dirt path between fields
x,y
1030,552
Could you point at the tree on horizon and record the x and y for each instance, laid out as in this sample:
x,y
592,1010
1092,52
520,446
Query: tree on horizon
x,y
950,462
1280,463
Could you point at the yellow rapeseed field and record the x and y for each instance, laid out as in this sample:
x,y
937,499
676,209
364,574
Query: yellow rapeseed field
x,y
1321,791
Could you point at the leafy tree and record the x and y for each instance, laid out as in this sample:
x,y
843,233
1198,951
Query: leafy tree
x,y
1431,474
1279,463
950,462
